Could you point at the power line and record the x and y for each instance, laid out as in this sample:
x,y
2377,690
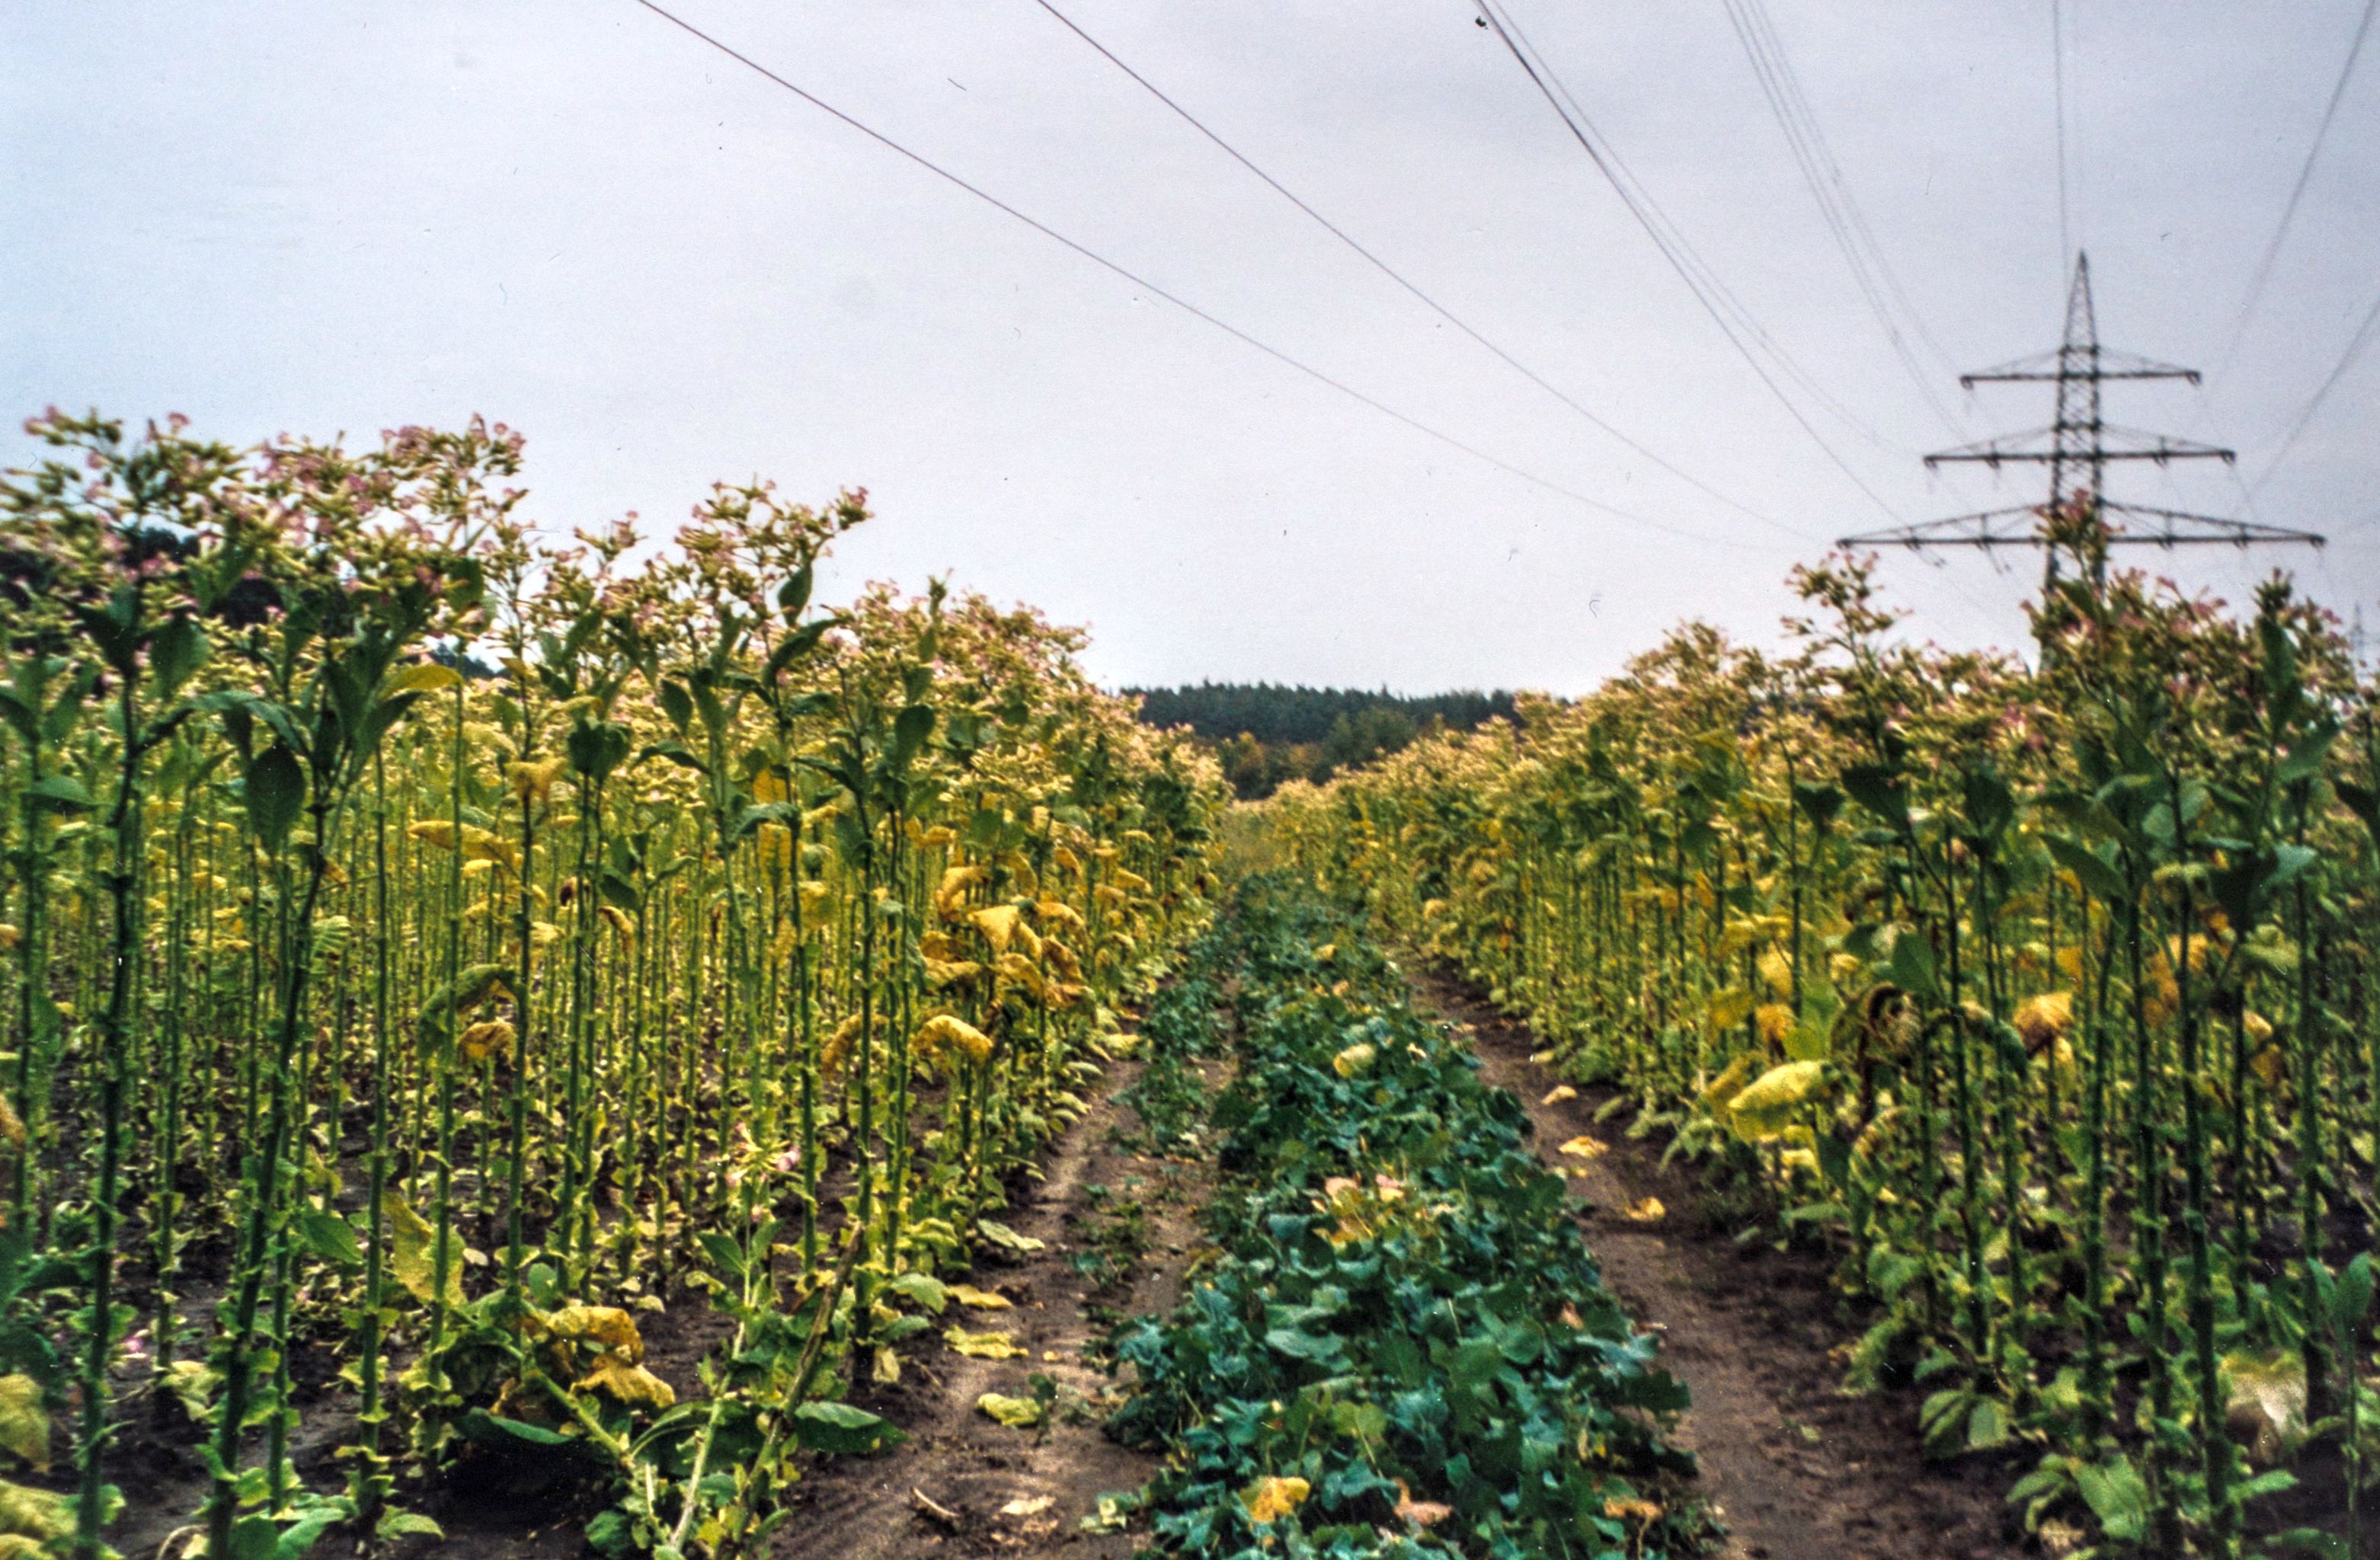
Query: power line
x,y
1671,245
1667,233
2355,346
1385,269
1154,290
2296,191
1772,68
2057,91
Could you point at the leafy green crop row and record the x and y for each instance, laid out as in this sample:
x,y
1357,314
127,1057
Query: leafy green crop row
x,y
1404,1347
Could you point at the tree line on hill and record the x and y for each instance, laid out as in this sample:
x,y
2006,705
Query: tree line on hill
x,y
1267,732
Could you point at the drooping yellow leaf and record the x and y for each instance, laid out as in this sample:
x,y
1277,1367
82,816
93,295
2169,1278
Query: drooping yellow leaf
x,y
947,1035
631,1383
999,925
410,1254
1774,1021
1777,972
605,1324
1273,1498
24,1424
34,1514
484,1040
1765,1107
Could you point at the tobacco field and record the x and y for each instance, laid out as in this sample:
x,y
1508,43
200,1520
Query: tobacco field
x,y
398,1037
2043,998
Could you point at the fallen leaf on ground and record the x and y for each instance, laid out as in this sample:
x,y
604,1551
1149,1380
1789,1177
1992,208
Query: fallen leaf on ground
x,y
1583,1147
981,1299
1555,1096
983,1346
1649,1211
1028,1506
1017,1413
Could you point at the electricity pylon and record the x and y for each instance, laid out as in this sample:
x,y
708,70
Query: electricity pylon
x,y
2077,448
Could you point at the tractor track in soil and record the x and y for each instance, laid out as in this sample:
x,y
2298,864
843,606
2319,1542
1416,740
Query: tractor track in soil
x,y
942,1491
1797,1469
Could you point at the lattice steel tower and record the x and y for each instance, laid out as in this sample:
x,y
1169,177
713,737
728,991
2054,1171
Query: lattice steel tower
x,y
2077,448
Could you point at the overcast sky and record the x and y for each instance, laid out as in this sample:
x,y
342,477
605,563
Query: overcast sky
x,y
575,218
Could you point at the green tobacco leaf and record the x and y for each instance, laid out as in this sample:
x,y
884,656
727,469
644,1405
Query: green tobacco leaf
x,y
842,1428
329,1237
1911,967
2117,1496
275,791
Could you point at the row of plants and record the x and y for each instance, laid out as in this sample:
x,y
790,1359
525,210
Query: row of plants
x,y
2045,995
1400,1346
439,955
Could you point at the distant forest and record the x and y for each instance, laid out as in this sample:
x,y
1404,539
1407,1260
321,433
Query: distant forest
x,y
1266,732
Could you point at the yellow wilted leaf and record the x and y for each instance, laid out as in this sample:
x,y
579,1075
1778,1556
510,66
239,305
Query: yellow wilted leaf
x,y
2270,1064
604,1325
1556,1096
10,1126
34,1514
1846,969
1058,913
981,1299
1775,1021
945,1032
10,936
1017,1413
1356,1058
545,933
1730,1008
630,1383
1730,1081
1648,1210
1764,1108
410,1253
1066,861
1017,970
434,832
1583,1147
983,1346
999,924
956,881
1272,1497
24,1424
483,1040
533,780
941,972
1775,969
2045,1019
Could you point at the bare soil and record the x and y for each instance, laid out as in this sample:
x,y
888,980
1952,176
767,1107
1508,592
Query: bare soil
x,y
1797,1469
964,1485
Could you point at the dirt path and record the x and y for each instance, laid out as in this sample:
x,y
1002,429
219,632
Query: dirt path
x,y
1799,1470
965,1485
